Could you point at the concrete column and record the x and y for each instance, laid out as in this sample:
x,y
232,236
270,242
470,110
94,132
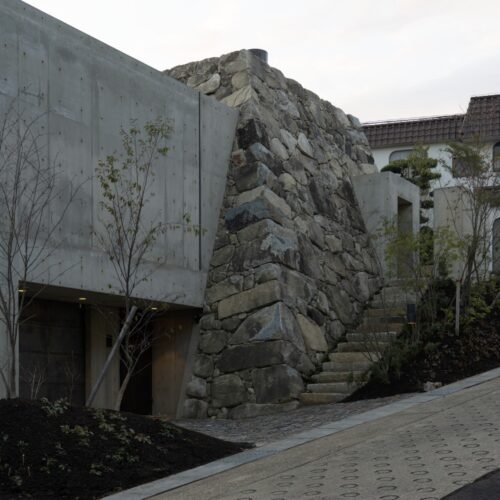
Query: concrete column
x,y
102,327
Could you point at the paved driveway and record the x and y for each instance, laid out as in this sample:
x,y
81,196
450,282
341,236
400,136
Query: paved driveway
x,y
423,452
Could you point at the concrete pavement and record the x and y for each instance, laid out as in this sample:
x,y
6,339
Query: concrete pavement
x,y
424,447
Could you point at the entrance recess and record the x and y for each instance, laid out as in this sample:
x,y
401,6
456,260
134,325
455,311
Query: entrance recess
x,y
52,351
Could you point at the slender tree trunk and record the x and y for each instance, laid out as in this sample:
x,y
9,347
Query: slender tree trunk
x,y
12,390
122,390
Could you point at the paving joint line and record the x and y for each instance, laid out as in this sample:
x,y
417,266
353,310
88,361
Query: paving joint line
x,y
175,481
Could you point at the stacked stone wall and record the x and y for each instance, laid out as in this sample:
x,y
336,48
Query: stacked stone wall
x,y
292,266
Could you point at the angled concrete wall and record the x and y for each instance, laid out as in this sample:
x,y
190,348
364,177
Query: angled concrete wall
x,y
82,92
85,91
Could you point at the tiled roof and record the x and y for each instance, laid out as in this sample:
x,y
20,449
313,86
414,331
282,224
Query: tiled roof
x,y
482,119
415,131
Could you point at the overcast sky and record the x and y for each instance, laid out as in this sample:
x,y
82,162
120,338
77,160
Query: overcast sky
x,y
376,59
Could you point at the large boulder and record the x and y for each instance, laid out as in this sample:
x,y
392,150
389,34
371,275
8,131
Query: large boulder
x,y
277,384
274,322
227,391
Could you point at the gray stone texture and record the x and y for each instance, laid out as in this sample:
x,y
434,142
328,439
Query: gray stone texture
x,y
292,267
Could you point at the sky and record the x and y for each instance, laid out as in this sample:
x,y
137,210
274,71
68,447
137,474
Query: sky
x,y
375,59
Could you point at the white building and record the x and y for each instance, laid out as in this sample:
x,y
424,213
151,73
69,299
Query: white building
x,y
393,140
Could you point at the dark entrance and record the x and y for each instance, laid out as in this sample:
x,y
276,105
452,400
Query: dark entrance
x,y
52,351
138,397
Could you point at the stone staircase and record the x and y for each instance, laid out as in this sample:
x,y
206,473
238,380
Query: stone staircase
x,y
347,367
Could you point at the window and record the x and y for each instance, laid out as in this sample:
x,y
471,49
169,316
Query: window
x,y
459,168
496,157
401,154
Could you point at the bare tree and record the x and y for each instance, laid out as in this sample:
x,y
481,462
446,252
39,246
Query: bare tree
x,y
128,234
34,377
479,190
29,190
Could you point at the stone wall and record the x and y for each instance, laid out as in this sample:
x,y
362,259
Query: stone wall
x,y
292,266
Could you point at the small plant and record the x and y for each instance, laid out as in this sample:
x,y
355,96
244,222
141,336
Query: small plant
x,y
98,469
122,455
49,463
56,408
82,432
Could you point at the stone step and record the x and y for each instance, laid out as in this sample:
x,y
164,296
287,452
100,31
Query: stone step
x,y
380,327
371,336
361,366
328,377
375,320
353,357
373,312
320,398
367,344
333,387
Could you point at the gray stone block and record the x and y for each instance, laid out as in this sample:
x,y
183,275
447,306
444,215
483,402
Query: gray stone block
x,y
227,391
277,384
261,295
260,354
194,408
197,388
275,322
213,342
203,366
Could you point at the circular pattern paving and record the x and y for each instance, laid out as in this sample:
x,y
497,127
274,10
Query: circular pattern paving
x,y
422,460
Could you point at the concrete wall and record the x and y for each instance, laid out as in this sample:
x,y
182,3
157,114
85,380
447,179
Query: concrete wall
x,y
86,91
100,324
381,198
452,210
82,92
170,358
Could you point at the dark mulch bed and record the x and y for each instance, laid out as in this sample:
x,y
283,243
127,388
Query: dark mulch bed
x,y
442,356
51,450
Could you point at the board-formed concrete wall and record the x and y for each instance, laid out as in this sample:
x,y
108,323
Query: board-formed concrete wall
x,y
83,91
387,198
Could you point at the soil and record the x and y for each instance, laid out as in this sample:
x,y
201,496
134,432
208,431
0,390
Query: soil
x,y
443,357
52,450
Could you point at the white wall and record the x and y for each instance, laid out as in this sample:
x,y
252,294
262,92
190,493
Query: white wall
x,y
437,151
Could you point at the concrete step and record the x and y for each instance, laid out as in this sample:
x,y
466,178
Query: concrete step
x,y
368,343
353,357
371,336
361,366
320,398
333,387
329,377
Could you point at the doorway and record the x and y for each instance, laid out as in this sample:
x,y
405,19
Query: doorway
x,y
52,351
